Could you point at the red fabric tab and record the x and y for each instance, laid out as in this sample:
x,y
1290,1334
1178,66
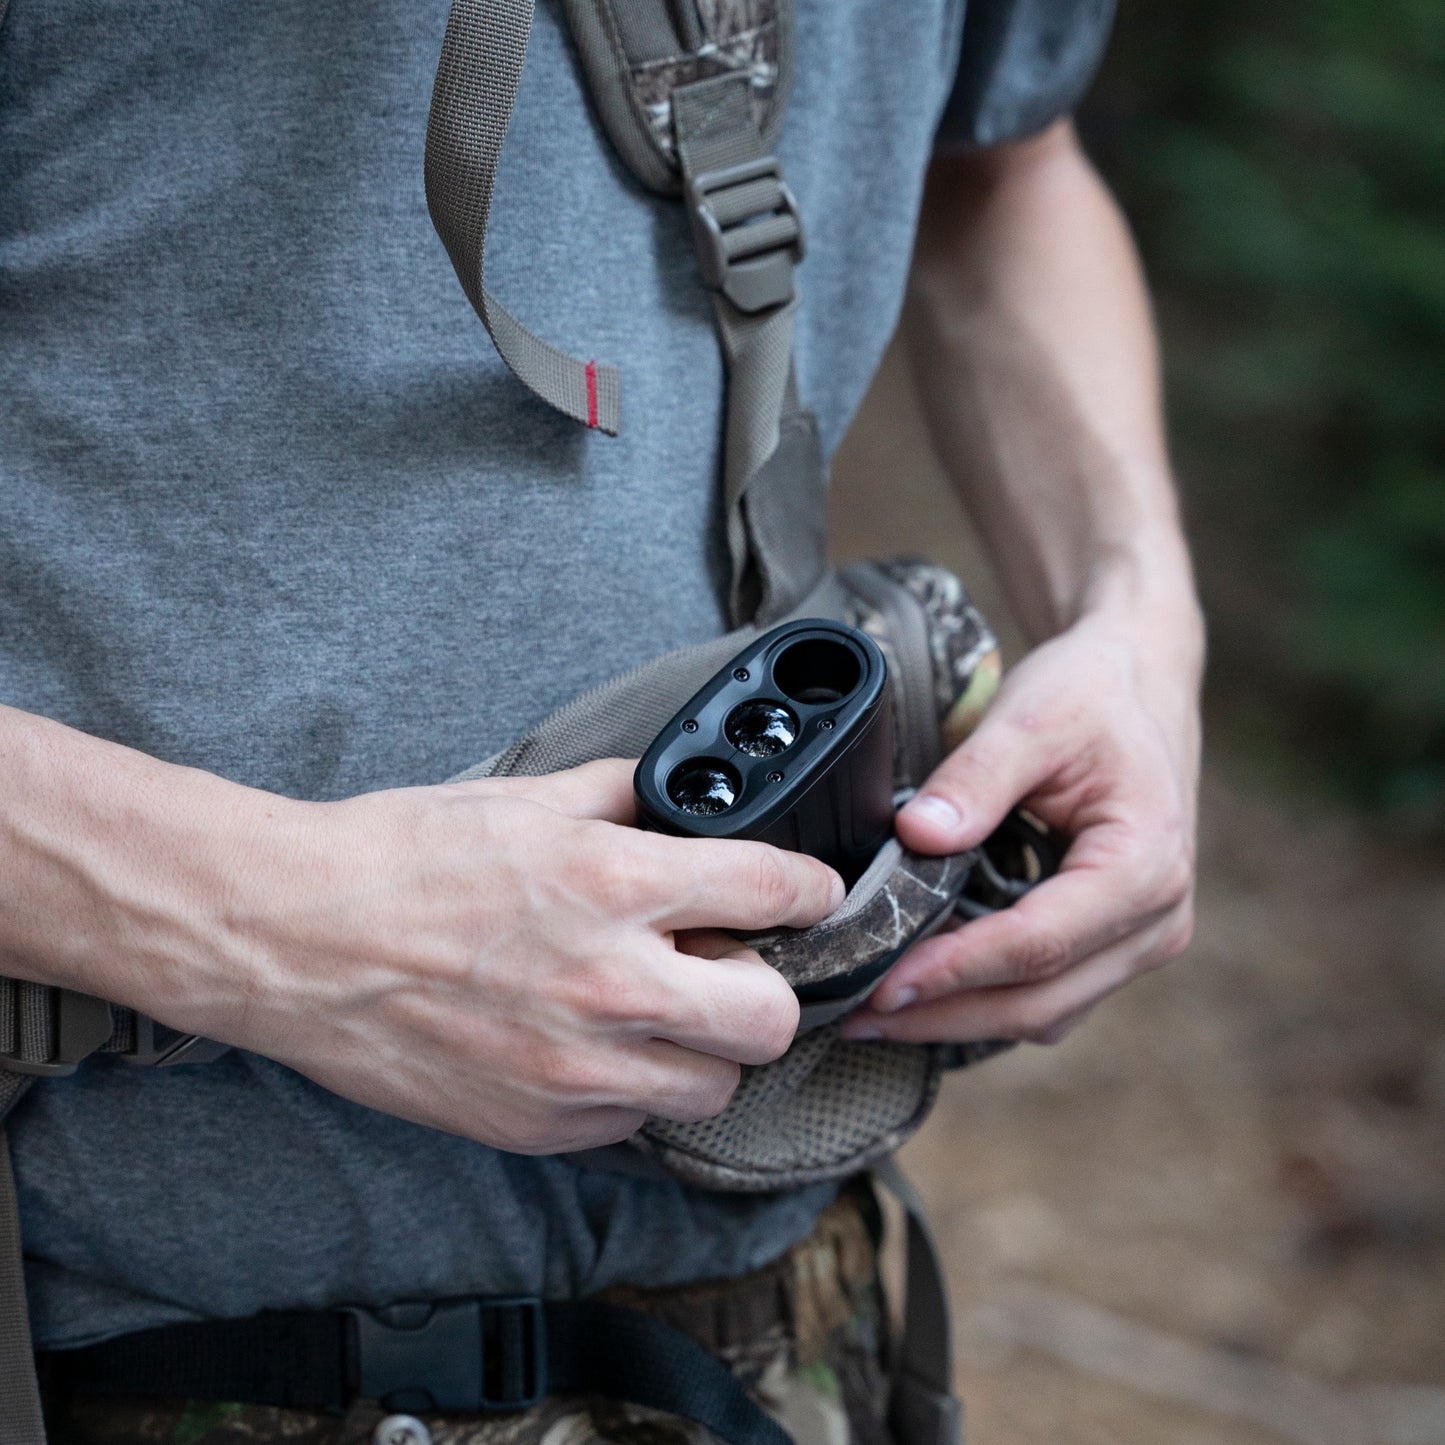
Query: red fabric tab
x,y
592,393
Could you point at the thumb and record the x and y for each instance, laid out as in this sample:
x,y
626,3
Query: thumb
x,y
967,795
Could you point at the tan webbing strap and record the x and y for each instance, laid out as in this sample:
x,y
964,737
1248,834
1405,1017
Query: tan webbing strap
x,y
749,238
21,1422
471,105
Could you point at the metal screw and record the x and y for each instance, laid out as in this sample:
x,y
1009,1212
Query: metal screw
x,y
776,776
689,726
826,724
401,1430
741,673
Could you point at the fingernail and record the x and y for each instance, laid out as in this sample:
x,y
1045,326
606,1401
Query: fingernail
x,y
836,894
936,810
899,998
863,1032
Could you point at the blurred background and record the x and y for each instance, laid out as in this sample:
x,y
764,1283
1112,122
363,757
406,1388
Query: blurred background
x,y
1215,1215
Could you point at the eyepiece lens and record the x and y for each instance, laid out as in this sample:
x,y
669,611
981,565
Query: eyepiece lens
x,y
703,786
761,729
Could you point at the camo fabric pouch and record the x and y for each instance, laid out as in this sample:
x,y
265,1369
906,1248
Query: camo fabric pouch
x,y
832,1106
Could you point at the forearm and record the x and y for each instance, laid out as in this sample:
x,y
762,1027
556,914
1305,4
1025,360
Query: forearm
x,y
1033,346
115,868
498,958
1037,366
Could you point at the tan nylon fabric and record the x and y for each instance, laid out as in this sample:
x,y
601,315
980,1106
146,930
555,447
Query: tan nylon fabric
x,y
476,86
29,1019
714,127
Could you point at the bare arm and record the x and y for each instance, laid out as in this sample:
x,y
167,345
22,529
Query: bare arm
x,y
504,959
1036,362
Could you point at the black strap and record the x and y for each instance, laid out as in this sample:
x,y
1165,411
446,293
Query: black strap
x,y
463,1355
20,1418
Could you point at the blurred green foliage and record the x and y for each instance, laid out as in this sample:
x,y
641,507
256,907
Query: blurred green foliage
x,y
1285,168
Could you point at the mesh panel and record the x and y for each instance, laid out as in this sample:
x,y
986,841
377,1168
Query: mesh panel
x,y
828,1107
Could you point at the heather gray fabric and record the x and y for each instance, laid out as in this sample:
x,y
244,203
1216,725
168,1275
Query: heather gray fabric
x,y
1023,64
272,507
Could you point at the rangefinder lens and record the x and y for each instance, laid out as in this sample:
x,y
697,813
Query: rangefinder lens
x,y
760,728
703,786
817,671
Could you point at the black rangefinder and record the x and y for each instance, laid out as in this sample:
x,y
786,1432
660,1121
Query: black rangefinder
x,y
790,744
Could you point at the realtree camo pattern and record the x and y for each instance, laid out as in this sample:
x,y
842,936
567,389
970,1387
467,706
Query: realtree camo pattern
x,y
739,35
917,890
967,665
804,1334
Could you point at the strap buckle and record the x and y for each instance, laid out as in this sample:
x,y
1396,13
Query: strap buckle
x,y
468,1354
79,1026
159,1046
748,232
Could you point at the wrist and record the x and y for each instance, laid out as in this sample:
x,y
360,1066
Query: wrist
x,y
1144,591
121,872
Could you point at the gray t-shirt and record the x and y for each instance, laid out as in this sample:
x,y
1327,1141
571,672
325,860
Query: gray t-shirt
x,y
272,507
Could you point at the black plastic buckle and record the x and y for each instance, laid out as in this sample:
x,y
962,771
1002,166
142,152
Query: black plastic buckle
x,y
753,278
159,1046
82,1025
470,1354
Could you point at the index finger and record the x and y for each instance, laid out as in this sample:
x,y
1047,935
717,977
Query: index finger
x,y
600,790
732,884
1086,907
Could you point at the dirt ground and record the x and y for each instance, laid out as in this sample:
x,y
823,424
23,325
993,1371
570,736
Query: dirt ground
x,y
1215,1215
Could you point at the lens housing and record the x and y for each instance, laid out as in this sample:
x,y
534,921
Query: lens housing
x,y
791,743
704,787
761,728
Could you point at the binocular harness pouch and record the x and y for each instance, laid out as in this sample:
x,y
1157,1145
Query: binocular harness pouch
x,y
830,1106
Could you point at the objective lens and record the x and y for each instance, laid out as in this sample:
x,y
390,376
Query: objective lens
x,y
703,786
761,729
817,671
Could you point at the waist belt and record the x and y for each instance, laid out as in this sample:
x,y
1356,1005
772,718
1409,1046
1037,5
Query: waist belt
x,y
462,1355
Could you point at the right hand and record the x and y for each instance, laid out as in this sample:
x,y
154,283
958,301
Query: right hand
x,y
504,959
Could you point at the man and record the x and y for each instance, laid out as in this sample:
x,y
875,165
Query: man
x,y
283,546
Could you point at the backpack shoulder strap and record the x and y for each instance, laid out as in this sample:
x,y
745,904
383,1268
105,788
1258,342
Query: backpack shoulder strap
x,y
637,54
692,93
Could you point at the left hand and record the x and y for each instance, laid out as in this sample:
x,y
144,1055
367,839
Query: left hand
x,y
1096,732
